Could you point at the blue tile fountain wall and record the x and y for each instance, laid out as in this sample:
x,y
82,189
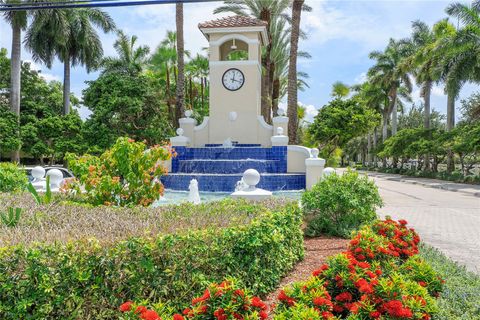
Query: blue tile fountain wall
x,y
218,169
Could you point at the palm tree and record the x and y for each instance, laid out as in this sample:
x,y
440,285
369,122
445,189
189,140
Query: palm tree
x,y
422,62
69,35
390,73
131,59
18,22
266,10
292,72
280,59
463,49
180,94
340,90
376,98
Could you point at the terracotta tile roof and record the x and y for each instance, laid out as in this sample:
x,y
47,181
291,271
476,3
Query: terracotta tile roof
x,y
233,22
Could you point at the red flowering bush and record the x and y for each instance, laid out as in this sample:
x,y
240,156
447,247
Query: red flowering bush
x,y
226,301
347,280
394,298
379,277
310,294
383,240
219,301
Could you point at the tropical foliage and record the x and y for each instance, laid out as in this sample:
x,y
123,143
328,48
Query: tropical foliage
x,y
339,204
126,174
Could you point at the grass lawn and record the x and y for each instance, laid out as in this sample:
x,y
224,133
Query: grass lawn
x,y
461,296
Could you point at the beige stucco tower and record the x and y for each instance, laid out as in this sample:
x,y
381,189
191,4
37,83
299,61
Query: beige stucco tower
x,y
235,47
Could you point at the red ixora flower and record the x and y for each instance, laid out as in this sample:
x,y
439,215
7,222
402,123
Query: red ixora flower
x,y
258,303
322,302
178,317
140,310
220,314
150,315
125,307
403,222
344,296
283,297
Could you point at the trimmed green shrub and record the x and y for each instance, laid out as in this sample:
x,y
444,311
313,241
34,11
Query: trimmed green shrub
x,y
85,280
12,178
460,299
339,204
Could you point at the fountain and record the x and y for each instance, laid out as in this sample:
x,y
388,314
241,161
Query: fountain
x,y
241,185
194,195
39,179
251,178
228,143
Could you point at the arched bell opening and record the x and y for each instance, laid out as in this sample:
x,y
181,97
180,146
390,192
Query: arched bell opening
x,y
234,50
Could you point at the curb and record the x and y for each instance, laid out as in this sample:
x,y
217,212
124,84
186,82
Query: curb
x,y
445,187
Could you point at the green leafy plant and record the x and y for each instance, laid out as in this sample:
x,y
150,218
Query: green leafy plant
x,y
12,217
127,174
339,204
12,178
46,198
88,280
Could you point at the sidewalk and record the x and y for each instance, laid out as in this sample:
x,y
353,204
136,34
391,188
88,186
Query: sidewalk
x,y
468,189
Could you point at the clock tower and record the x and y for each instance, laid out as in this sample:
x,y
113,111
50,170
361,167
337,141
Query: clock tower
x,y
235,53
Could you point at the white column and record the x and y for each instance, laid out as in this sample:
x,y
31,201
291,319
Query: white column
x,y
314,169
281,122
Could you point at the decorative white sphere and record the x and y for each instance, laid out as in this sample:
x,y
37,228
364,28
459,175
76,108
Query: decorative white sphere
x,y
232,116
180,132
328,171
56,177
280,131
315,152
38,172
281,111
251,177
188,113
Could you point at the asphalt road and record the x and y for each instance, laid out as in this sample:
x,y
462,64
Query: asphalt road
x,y
449,221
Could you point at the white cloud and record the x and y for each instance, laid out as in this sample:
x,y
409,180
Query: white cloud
x,y
361,78
310,111
159,19
45,75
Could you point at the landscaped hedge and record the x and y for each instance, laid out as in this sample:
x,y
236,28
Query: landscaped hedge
x,y
86,280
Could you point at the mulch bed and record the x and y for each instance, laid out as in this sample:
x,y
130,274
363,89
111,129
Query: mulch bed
x,y
317,250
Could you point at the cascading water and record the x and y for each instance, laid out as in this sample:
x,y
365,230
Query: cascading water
x,y
194,195
241,186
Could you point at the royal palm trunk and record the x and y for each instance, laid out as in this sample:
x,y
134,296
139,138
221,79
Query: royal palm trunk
x,y
15,76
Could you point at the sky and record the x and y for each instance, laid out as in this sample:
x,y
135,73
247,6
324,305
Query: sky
x,y
341,34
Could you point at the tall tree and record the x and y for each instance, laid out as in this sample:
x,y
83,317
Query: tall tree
x,y
131,58
180,94
340,90
422,64
18,22
292,72
389,72
69,35
452,71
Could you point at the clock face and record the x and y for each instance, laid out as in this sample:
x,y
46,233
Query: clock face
x,y
233,79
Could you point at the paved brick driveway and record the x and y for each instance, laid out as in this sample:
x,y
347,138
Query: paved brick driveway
x,y
449,221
